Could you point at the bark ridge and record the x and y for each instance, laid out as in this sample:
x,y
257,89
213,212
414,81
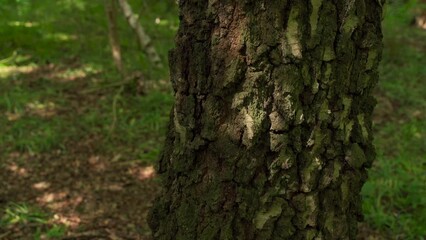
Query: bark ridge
x,y
271,134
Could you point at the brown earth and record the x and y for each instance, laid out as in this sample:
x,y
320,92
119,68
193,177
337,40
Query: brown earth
x,y
96,198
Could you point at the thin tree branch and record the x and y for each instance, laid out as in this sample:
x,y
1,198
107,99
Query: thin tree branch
x,y
144,40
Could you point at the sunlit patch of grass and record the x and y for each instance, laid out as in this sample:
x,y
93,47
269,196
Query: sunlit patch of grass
x,y
69,30
60,37
23,24
72,74
15,59
22,213
12,71
41,223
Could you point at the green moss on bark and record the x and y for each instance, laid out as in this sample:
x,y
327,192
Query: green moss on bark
x,y
270,134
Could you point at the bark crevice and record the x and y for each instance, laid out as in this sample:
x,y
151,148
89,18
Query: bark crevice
x,y
271,134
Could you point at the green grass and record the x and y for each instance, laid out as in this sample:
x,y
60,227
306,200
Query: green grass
x,y
24,215
75,32
395,195
60,63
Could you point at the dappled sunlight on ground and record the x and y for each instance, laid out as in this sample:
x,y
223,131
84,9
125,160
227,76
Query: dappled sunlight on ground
x,y
61,37
71,220
69,71
97,164
23,24
17,171
76,73
89,190
8,71
142,173
41,185
61,154
44,110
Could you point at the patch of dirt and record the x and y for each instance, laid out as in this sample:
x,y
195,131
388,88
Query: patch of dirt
x,y
389,109
96,198
365,232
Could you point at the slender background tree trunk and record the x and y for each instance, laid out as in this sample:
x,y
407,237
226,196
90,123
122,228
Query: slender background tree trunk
x,y
114,40
144,40
271,131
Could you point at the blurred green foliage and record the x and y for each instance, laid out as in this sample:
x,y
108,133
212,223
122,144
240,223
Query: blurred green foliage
x,y
395,195
71,35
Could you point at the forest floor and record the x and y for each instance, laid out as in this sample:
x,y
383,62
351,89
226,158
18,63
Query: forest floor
x,y
87,196
67,184
78,142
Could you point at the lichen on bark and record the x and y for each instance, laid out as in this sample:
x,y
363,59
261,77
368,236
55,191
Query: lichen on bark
x,y
271,132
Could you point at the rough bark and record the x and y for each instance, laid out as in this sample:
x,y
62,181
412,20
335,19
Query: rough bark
x,y
271,131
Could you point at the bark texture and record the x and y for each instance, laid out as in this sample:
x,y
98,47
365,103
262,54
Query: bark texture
x,y
271,131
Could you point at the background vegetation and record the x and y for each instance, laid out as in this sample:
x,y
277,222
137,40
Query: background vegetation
x,y
61,98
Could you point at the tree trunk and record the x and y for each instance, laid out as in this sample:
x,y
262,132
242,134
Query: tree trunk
x,y
143,39
271,131
111,12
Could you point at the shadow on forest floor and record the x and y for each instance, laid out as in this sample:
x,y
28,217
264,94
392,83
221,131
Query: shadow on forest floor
x,y
90,195
78,188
